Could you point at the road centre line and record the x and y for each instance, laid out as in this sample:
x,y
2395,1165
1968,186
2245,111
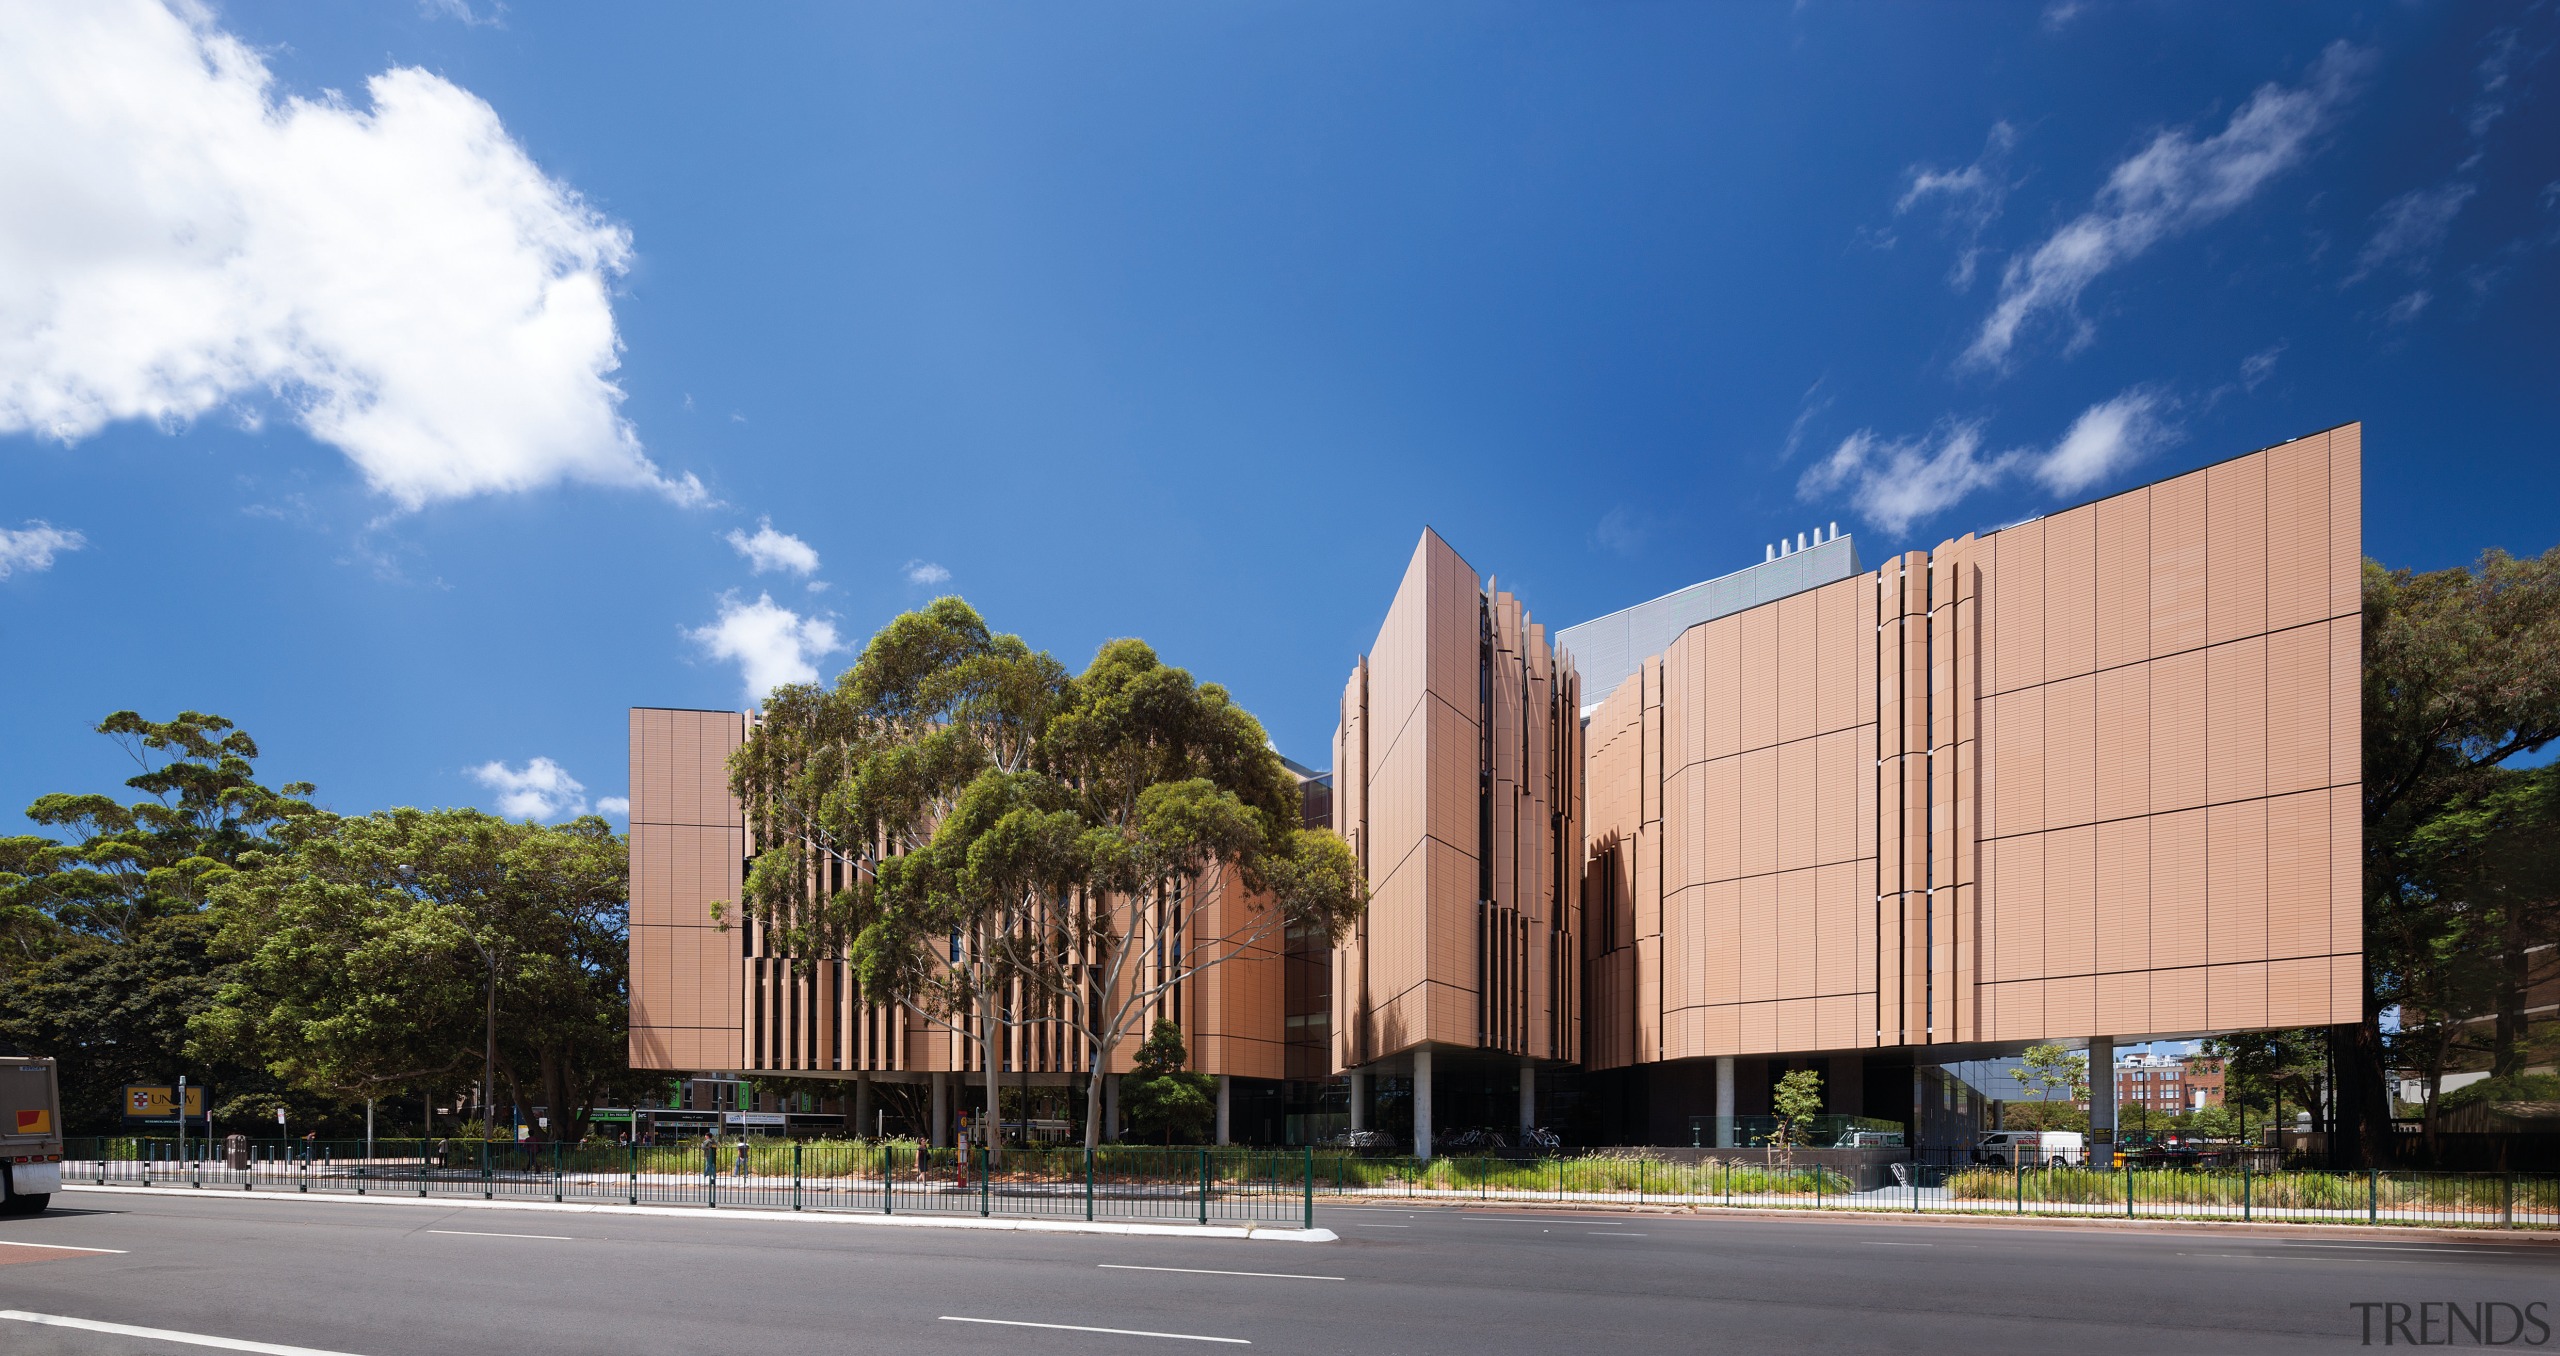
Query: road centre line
x,y
2403,1247
1879,1243
1613,1233
59,1247
1381,1226
1205,1271
477,1233
193,1339
1115,1332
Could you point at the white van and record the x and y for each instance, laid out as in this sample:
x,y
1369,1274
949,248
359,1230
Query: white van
x,y
2031,1148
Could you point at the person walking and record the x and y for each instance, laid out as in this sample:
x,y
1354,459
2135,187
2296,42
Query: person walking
x,y
742,1154
710,1155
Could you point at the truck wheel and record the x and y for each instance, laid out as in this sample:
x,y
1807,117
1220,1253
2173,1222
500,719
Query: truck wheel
x,y
14,1202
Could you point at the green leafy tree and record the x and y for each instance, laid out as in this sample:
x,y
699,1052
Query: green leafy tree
x,y
108,954
1160,1099
870,799
2051,1068
2461,677
1795,1101
378,954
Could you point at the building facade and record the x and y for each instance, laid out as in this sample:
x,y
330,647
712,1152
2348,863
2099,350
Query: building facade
x,y
2090,778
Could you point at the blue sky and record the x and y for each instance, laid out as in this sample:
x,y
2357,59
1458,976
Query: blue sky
x,y
392,379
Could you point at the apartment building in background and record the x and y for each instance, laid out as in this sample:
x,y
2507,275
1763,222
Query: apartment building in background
x,y
2092,779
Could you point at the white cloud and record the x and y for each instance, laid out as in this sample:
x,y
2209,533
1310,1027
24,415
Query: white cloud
x,y
2406,309
926,572
1894,483
770,550
2255,367
2059,14
541,789
2107,437
179,237
2174,184
617,806
770,644
33,547
1621,531
2410,227
1972,197
461,10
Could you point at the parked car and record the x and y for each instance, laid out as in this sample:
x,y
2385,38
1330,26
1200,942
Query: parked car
x,y
2030,1148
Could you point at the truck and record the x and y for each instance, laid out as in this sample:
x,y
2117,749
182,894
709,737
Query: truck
x,y
30,1133
2030,1148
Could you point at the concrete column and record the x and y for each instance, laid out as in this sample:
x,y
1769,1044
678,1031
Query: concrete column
x,y
1528,1099
1226,1117
1724,1101
941,1110
1110,1108
1422,1102
2102,1101
865,1124
1359,1101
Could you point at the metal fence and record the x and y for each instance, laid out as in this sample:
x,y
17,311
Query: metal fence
x,y
1117,1182
2430,1199
1283,1186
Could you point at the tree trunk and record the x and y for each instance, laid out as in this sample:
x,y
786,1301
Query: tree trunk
x,y
2364,1090
989,1058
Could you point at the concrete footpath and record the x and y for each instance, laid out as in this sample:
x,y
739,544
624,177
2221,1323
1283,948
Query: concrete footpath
x,y
1250,1230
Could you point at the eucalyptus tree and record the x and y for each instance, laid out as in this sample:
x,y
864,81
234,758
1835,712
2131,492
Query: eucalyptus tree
x,y
1191,854
850,790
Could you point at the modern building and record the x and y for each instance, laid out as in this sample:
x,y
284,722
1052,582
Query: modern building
x,y
2164,1085
2087,779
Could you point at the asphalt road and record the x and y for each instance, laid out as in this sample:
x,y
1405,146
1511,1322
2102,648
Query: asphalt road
x,y
384,1280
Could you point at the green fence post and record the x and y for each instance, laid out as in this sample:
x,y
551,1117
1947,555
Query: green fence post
x,y
488,1185
2372,1195
1639,1181
795,1174
888,1194
2127,1174
986,1189
1088,1186
556,1189
2248,1208
1311,1189
2018,1183
1204,1188
2507,1201
631,1163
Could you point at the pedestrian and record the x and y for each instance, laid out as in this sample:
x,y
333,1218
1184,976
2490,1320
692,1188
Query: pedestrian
x,y
710,1155
742,1153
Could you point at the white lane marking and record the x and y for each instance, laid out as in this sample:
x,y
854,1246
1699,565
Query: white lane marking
x,y
1873,1243
193,1339
1381,1226
63,1247
2401,1247
1611,1233
1204,1271
1116,1332
476,1233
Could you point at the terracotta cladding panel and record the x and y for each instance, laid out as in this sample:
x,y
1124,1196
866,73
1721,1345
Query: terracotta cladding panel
x,y
2071,593
2018,946
2071,901
2014,656
1758,939
2177,889
2178,564
2236,547
1867,817
1717,914
2297,876
1837,775
2297,756
2298,992
1837,938
2297,533
2236,882
2070,751
2123,579
1720,814
1719,687
1796,933
2124,894
2124,1002
2236,720
1842,700
1451,793
2236,996
2070,1004
1798,635
2017,766
2346,700
2177,733
2346,988
1796,807
2346,870
1760,790
1758,677
1683,673
2122,726
1453,625
2346,520
2178,999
